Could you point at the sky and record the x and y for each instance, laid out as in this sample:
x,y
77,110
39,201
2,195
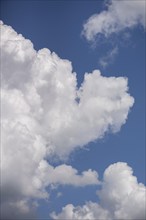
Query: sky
x,y
73,109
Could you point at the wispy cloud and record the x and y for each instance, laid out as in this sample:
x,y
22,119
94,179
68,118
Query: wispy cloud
x,y
119,16
59,194
108,58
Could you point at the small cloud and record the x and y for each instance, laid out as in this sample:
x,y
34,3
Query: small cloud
x,y
59,194
119,16
108,58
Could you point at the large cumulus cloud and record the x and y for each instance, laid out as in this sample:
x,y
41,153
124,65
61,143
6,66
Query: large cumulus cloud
x,y
45,115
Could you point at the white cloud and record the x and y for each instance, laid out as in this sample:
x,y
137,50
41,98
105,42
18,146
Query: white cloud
x,y
65,174
122,194
108,58
59,194
48,88
121,197
41,118
88,211
119,16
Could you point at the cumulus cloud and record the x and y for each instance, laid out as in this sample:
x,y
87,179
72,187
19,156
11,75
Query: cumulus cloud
x,y
88,211
122,194
42,119
65,174
121,197
47,88
120,15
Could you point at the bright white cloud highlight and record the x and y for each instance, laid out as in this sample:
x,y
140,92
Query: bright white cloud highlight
x,y
41,119
119,16
88,211
65,174
121,197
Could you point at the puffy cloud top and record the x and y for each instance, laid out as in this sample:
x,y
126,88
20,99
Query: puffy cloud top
x,y
121,197
41,118
41,91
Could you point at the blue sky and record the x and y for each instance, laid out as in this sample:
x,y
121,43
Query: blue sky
x,y
58,25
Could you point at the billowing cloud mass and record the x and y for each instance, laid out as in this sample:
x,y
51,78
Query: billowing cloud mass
x,y
45,115
121,197
119,16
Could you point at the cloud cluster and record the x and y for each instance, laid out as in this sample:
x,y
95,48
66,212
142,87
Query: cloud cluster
x,y
120,15
121,197
45,115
